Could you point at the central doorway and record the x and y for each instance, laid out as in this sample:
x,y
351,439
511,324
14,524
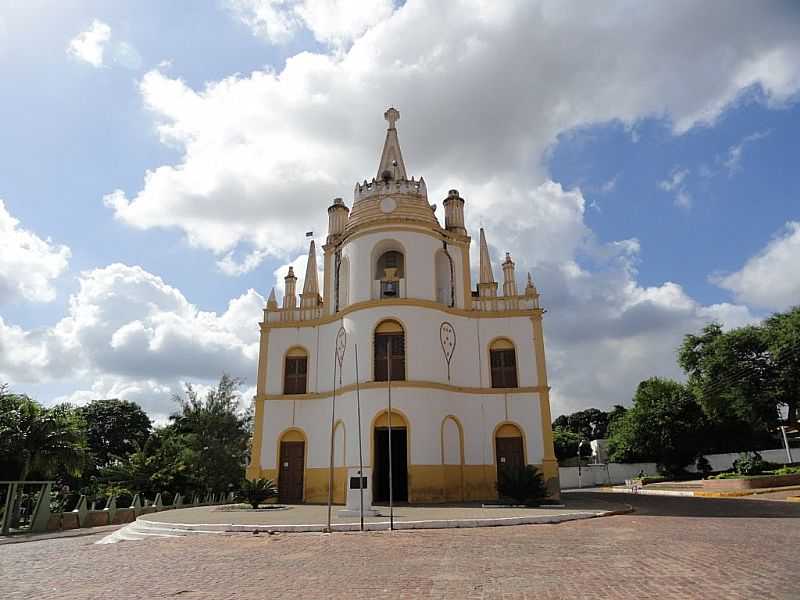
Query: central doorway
x,y
380,474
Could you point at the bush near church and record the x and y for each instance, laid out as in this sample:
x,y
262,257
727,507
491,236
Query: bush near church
x,y
255,491
523,484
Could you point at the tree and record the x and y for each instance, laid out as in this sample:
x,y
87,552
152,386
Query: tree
x,y
38,440
114,428
589,424
665,424
733,377
216,431
783,342
565,443
163,464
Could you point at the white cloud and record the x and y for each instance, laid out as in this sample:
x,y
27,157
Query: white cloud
x,y
28,264
675,180
130,334
94,46
89,46
675,183
472,98
733,160
335,22
771,278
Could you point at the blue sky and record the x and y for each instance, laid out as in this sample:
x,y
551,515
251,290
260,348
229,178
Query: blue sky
x,y
643,168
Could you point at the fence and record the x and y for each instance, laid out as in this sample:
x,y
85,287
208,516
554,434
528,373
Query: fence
x,y
31,512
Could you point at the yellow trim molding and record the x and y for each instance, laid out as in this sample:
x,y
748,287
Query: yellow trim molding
x,y
433,385
473,314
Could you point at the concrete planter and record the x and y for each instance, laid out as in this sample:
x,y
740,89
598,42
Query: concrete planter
x,y
753,483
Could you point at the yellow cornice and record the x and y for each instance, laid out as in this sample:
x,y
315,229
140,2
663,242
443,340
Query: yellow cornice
x,y
382,226
418,302
431,385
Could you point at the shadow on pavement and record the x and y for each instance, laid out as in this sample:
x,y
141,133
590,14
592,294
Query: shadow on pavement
x,y
677,506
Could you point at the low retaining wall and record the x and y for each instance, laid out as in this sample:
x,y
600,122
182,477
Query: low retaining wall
x,y
723,462
43,520
752,483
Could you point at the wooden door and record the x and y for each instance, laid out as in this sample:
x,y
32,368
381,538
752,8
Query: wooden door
x,y
509,453
290,478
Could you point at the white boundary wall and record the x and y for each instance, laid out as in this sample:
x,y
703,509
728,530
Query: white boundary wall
x,y
593,475
618,472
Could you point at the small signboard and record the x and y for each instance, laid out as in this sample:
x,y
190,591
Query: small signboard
x,y
354,483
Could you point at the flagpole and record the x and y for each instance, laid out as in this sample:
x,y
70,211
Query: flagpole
x,y
389,389
360,453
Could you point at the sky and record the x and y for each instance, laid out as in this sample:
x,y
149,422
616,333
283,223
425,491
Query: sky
x,y
161,162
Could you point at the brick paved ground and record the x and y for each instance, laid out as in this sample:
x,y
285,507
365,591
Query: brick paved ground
x,y
669,548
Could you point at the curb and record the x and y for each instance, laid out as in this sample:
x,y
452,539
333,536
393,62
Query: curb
x,y
54,535
379,526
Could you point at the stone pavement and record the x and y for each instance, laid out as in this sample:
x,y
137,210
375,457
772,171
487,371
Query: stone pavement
x,y
669,548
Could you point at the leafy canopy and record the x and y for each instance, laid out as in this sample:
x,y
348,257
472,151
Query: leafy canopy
x,y
665,425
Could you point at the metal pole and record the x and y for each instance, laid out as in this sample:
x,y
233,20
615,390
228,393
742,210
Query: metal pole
x,y
360,453
786,444
389,389
330,469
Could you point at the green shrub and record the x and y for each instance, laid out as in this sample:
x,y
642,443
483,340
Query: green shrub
x,y
703,466
255,491
788,471
749,464
523,484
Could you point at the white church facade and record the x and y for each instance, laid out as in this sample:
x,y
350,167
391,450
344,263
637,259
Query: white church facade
x,y
465,368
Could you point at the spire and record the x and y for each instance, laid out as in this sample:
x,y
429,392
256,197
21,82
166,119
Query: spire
x,y
509,278
532,292
310,295
391,166
272,303
486,275
289,299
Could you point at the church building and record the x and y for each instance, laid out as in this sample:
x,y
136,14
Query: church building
x,y
464,366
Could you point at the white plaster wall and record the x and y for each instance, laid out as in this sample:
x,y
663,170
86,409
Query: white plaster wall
x,y
425,409
592,475
425,360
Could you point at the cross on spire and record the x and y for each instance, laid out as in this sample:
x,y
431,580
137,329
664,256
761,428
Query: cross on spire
x,y
391,167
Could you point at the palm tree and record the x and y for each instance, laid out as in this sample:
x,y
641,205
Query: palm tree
x,y
38,440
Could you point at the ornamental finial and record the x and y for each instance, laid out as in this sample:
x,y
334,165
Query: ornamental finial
x,y
392,115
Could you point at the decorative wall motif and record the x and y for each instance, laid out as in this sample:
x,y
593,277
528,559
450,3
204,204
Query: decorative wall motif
x,y
341,344
447,337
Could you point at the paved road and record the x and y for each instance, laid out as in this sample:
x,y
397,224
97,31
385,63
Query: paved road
x,y
670,548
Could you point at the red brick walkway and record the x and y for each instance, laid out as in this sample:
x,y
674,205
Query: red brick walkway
x,y
669,548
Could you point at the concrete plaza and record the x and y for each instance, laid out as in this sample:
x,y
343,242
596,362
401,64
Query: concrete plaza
x,y
670,547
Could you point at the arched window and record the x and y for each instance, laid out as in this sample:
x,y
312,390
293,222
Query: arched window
x,y
389,352
503,363
295,371
444,278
